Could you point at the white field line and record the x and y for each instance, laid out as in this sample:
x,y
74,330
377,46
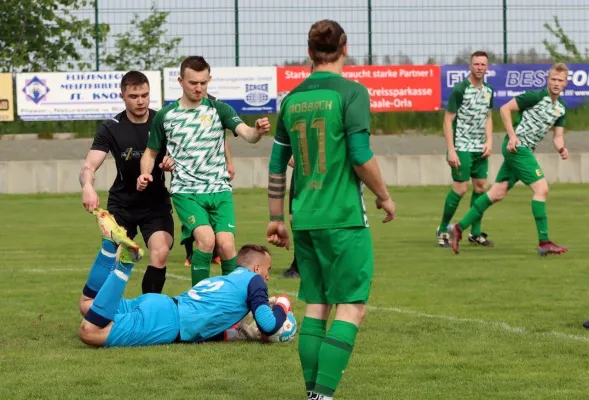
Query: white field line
x,y
476,321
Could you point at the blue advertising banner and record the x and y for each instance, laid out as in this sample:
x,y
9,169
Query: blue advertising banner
x,y
510,80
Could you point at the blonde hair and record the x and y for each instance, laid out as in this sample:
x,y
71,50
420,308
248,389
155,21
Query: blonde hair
x,y
559,67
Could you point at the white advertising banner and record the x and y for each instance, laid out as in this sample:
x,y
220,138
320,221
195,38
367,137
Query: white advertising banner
x,y
49,96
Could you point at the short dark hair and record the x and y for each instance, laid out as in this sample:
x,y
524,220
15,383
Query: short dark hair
x,y
479,53
133,78
196,63
248,250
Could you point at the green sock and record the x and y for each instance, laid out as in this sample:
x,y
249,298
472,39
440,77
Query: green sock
x,y
228,266
476,228
450,206
476,211
334,356
200,264
539,211
310,340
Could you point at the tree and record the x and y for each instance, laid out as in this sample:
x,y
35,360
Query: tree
x,y
571,52
144,46
43,35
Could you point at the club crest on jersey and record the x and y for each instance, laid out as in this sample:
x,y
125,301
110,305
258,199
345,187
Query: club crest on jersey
x,y
487,97
557,112
205,120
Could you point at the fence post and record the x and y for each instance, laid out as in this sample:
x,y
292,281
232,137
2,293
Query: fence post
x,y
369,32
96,35
236,10
505,60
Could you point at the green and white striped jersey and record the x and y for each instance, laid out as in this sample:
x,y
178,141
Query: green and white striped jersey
x,y
537,114
195,140
471,105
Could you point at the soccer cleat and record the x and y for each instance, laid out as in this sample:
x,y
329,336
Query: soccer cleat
x,y
547,247
455,237
480,240
131,251
216,260
187,263
443,238
290,273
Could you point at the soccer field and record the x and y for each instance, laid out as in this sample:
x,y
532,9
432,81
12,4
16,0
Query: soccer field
x,y
500,323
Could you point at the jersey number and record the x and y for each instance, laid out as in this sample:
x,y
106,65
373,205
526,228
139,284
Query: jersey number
x,y
203,287
300,126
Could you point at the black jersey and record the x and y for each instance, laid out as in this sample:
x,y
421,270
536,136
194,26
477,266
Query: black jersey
x,y
126,141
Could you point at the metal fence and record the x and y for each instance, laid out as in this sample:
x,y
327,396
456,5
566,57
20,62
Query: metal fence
x,y
273,32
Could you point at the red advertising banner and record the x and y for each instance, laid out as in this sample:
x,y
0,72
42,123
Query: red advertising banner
x,y
391,87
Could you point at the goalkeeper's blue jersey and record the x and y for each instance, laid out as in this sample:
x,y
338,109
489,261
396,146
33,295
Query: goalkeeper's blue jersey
x,y
216,304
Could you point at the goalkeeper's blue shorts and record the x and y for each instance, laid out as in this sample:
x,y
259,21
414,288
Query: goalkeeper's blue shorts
x,y
147,320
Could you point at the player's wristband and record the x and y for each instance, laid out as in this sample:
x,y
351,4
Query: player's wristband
x,y
561,150
277,217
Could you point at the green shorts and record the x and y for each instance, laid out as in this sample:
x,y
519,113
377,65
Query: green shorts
x,y
336,265
213,209
472,165
519,166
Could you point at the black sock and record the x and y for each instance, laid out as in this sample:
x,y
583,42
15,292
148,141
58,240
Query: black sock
x,y
294,266
153,280
189,249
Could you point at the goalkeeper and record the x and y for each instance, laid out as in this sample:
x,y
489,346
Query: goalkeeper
x,y
206,312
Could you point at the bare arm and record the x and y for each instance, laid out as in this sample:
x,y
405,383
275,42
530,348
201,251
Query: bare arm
x,y
253,134
229,160
558,139
369,173
147,164
505,112
448,130
488,147
93,161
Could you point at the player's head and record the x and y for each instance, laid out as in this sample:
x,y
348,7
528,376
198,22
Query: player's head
x,y
256,258
327,42
135,93
558,78
479,63
195,75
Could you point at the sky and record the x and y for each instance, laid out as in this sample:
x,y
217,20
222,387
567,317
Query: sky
x,y
274,31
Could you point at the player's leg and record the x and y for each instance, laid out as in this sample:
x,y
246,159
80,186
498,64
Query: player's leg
x,y
293,270
504,181
460,177
479,173
531,174
188,245
347,260
191,210
312,292
106,258
222,215
97,322
157,229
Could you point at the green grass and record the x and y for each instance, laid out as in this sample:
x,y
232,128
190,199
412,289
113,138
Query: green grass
x,y
381,123
500,323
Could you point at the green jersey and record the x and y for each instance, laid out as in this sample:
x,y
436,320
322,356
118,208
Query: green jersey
x,y
471,105
195,140
537,114
315,120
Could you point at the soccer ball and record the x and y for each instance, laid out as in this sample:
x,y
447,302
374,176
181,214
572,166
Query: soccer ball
x,y
286,333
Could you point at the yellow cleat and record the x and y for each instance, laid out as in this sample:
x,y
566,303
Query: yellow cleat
x,y
131,251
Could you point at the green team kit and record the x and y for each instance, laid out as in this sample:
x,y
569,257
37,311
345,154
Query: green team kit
x,y
537,114
471,104
195,140
332,241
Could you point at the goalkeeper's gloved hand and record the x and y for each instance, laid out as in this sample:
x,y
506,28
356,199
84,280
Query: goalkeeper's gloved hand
x,y
284,302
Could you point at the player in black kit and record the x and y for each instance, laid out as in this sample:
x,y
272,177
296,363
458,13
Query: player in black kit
x,y
125,137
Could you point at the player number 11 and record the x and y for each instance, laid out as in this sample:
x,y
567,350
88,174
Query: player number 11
x,y
300,126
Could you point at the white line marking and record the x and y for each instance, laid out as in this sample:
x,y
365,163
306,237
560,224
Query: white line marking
x,y
494,324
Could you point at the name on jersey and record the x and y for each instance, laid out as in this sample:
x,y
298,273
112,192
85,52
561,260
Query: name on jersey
x,y
308,106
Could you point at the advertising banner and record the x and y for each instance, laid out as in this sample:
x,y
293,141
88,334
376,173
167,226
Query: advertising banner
x,y
391,87
47,96
249,90
6,98
510,80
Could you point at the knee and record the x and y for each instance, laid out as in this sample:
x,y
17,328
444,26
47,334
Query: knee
x,y
460,188
87,333
158,255
226,247
498,192
205,241
541,190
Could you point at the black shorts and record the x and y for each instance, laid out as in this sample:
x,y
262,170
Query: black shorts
x,y
291,193
149,220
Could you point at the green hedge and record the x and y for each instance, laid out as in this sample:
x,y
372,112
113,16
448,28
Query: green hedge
x,y
382,123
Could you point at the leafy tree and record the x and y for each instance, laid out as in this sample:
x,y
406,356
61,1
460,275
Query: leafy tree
x,y
571,52
43,35
145,46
